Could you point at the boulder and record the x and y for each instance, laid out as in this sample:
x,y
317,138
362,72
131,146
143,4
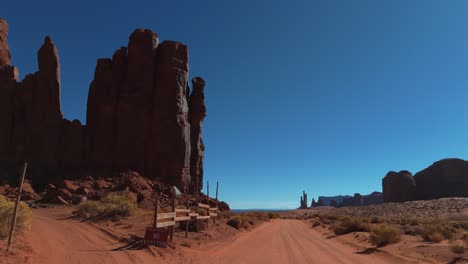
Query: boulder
x,y
69,186
28,193
134,182
398,187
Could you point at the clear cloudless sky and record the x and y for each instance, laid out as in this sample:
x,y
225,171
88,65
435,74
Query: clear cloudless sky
x,y
323,96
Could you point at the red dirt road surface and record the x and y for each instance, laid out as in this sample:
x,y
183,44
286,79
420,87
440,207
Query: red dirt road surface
x,y
56,240
284,241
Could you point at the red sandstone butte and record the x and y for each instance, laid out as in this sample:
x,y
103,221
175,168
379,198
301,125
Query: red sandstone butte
x,y
138,116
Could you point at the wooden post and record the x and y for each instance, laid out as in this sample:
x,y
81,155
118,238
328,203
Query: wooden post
x,y
155,219
15,212
188,214
216,201
173,210
207,199
207,192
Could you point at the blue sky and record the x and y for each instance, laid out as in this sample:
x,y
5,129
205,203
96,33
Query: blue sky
x,y
322,96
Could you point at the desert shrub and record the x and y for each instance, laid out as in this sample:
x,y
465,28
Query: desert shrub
x,y
376,220
327,219
349,224
272,215
90,208
435,237
237,222
458,247
437,232
315,224
114,204
383,234
23,218
224,215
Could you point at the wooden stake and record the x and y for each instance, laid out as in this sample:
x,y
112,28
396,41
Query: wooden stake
x,y
207,192
216,201
15,212
173,210
188,214
217,190
155,217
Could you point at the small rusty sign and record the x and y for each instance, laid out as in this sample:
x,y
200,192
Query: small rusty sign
x,y
157,237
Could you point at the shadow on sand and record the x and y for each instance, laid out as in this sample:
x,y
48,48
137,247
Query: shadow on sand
x,y
367,251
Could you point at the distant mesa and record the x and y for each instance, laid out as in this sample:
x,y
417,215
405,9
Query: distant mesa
x,y
444,178
347,200
140,116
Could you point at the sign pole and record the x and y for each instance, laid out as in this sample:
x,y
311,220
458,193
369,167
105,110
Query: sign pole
x,y
15,212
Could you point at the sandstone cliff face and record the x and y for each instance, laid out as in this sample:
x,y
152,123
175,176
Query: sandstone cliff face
x,y
197,114
444,178
398,187
138,116
5,56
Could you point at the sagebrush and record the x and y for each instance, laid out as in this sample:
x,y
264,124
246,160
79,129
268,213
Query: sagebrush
x,y
23,219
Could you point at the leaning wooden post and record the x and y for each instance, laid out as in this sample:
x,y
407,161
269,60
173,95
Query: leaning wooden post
x,y
208,198
173,210
155,218
188,214
15,212
207,192
216,202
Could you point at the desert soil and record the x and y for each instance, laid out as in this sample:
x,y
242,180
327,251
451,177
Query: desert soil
x,y
57,239
284,241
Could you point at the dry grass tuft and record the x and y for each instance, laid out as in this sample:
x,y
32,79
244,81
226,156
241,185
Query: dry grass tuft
x,y
6,215
349,224
114,204
383,234
458,247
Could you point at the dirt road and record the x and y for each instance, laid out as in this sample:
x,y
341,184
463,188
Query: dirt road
x,y
284,241
57,241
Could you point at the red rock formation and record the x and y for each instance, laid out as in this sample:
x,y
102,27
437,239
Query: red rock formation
x,y
398,187
170,148
5,56
135,102
101,116
45,115
71,151
8,85
197,114
138,116
444,178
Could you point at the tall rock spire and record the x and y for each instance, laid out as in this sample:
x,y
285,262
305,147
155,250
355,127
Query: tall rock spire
x,y
197,114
